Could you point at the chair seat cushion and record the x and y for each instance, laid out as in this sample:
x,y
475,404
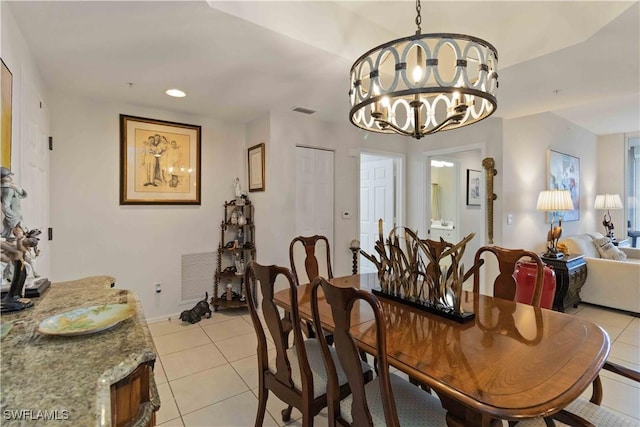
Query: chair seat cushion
x,y
415,406
597,415
318,370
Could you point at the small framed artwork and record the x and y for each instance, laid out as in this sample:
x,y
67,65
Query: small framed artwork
x,y
159,162
473,187
256,168
6,82
563,173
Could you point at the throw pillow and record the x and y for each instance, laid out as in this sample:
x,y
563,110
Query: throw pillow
x,y
608,250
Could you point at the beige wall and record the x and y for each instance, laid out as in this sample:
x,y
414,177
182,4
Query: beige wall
x,y
526,141
275,214
29,132
138,245
611,179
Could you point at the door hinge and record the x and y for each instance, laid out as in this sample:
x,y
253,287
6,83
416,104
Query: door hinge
x,y
50,233
50,143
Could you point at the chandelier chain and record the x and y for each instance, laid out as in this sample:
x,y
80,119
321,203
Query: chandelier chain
x,y
418,17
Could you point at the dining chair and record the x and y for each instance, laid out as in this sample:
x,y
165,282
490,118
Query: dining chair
x,y
388,400
296,375
310,257
589,413
504,285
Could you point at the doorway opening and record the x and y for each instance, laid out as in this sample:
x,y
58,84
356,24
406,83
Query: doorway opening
x,y
450,175
381,190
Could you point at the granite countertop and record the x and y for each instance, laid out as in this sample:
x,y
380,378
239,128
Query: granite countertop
x,y
70,377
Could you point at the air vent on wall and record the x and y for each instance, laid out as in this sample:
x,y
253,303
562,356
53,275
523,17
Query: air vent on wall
x,y
303,110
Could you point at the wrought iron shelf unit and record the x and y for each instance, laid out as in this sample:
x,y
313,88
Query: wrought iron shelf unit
x,y
237,247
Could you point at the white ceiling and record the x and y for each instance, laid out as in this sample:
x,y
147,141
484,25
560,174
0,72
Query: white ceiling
x,y
239,59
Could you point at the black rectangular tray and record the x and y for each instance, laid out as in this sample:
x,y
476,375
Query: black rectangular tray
x,y
446,313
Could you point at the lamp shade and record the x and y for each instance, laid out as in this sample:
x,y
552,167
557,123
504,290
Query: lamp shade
x,y
554,200
608,201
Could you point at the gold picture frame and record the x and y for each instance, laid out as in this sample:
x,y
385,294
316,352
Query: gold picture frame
x,y
159,162
255,156
6,82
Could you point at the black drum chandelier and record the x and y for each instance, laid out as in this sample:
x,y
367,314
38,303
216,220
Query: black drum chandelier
x,y
423,84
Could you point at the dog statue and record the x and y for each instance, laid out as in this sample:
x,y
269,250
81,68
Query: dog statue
x,y
195,314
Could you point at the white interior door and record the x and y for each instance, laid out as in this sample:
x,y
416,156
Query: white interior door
x,y
314,193
33,171
376,201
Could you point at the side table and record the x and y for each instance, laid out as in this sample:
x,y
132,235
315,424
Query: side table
x,y
571,273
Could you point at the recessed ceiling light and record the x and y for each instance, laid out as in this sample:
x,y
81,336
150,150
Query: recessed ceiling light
x,y
177,93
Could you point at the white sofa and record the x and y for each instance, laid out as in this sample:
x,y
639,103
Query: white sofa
x,y
610,283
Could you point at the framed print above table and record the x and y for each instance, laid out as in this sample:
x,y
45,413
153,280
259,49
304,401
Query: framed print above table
x,y
256,168
473,187
563,173
159,162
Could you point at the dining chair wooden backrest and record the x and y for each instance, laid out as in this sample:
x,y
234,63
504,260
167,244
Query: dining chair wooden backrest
x,y
278,377
310,257
504,285
341,301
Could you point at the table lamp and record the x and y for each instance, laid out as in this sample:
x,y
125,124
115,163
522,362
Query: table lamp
x,y
554,201
608,201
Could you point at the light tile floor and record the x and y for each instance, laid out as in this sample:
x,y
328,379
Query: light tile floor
x,y
207,372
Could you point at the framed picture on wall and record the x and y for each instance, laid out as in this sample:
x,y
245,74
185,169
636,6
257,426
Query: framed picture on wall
x,y
256,167
6,82
473,187
159,162
563,173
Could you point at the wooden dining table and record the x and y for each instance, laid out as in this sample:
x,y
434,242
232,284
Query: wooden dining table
x,y
512,361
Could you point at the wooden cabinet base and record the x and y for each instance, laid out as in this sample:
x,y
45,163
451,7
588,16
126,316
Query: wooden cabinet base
x,y
571,273
134,399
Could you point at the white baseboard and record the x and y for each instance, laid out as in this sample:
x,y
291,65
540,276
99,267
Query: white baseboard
x,y
174,316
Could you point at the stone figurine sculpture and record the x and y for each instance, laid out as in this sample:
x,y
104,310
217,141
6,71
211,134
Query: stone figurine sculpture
x,y
11,209
237,188
19,246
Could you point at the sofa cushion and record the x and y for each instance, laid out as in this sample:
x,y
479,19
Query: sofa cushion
x,y
608,250
581,244
595,235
